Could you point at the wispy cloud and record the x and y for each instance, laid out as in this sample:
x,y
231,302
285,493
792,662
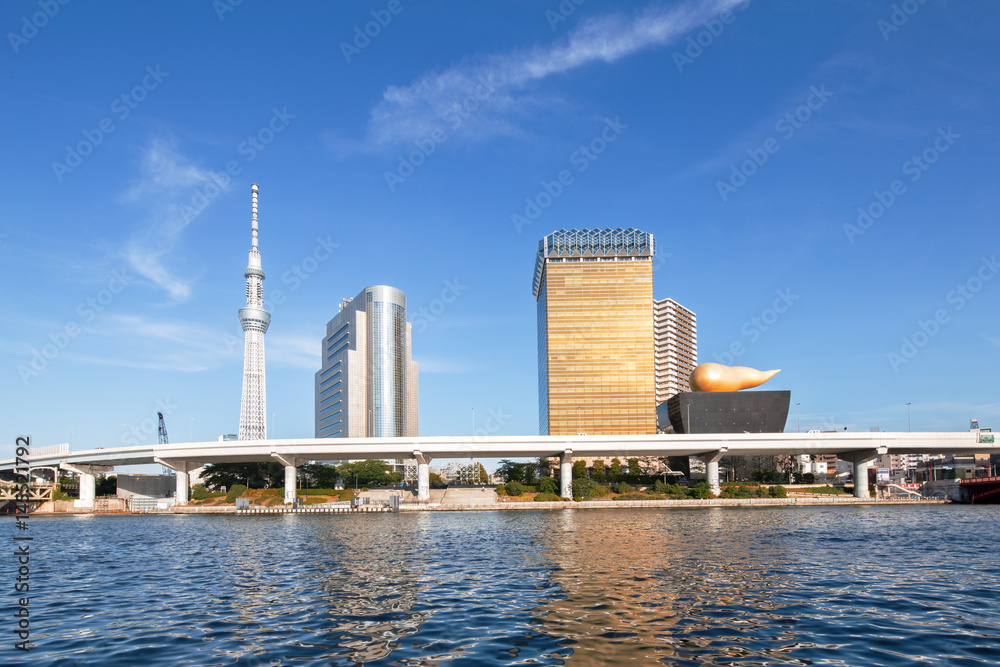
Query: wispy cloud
x,y
163,189
295,351
411,112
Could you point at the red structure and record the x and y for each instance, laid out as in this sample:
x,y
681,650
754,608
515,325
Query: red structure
x,y
983,490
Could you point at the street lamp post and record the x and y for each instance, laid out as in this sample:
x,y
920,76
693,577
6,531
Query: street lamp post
x,y
798,419
190,429
272,426
908,417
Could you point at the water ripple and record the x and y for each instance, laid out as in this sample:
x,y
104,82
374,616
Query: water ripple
x,y
736,587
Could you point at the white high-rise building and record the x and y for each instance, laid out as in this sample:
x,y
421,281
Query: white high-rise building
x,y
254,319
675,343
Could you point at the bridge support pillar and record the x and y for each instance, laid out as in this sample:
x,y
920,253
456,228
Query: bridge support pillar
x,y
183,484
566,474
88,480
291,475
88,489
862,460
182,478
712,469
423,476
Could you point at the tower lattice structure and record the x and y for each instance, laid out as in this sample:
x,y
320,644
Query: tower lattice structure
x,y
254,320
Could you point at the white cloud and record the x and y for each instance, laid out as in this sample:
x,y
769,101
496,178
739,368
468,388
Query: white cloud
x,y
164,189
296,351
411,112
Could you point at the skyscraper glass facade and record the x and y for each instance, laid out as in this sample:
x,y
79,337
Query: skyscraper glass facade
x,y
367,386
594,291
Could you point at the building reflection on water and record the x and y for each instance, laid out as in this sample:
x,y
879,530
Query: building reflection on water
x,y
678,586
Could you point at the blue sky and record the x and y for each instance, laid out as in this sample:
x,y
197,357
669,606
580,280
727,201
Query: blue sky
x,y
834,161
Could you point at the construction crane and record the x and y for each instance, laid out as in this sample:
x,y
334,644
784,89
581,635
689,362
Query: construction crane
x,y
162,430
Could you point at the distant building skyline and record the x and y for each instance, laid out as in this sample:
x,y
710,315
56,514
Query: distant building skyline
x,y
594,294
367,385
675,340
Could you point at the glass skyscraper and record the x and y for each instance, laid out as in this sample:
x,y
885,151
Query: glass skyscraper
x,y
367,385
594,293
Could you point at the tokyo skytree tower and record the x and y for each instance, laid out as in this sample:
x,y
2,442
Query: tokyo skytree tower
x,y
254,319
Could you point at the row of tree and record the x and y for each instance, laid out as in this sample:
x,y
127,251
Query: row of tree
x,y
373,472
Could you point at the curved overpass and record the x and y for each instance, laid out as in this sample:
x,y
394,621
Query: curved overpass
x,y
859,448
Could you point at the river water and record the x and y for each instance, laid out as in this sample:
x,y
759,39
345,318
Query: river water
x,y
864,585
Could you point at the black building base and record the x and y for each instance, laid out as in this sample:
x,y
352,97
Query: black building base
x,y
726,412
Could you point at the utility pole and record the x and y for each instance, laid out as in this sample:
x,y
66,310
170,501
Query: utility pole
x,y
908,417
798,419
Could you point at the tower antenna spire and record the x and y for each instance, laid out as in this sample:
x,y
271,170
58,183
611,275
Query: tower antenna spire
x,y
253,209
254,319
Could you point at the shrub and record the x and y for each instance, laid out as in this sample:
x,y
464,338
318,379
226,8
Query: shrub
x,y
199,492
501,491
585,489
514,489
548,485
635,495
547,497
701,490
779,492
622,487
235,492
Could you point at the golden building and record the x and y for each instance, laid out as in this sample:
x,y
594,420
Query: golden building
x,y
594,290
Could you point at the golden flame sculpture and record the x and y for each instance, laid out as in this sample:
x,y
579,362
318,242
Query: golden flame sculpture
x,y
716,377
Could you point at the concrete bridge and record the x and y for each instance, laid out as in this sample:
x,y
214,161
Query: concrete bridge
x,y
858,448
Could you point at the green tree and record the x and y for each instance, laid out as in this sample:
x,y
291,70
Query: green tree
x,y
106,486
548,485
544,466
586,489
529,474
319,476
434,478
255,475
616,469
510,471
579,469
633,467
597,471
372,472
514,488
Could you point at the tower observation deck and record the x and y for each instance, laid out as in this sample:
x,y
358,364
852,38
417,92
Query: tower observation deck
x,y
254,320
